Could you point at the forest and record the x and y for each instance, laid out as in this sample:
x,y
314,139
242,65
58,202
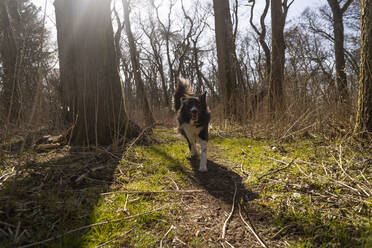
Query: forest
x,y
93,152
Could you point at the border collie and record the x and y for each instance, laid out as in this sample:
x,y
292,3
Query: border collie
x,y
193,117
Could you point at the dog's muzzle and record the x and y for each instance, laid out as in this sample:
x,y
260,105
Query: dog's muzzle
x,y
194,114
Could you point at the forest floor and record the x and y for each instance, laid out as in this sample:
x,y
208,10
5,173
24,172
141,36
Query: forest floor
x,y
299,192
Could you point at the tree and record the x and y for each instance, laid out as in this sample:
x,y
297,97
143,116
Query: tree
x,y
262,35
279,12
227,62
156,47
141,93
338,30
364,111
91,87
24,57
10,44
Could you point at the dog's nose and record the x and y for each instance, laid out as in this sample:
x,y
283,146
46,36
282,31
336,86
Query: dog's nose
x,y
194,111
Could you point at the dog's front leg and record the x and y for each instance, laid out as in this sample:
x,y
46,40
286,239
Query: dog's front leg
x,y
203,158
193,150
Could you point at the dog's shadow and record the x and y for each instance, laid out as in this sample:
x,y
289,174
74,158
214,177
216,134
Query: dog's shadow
x,y
220,182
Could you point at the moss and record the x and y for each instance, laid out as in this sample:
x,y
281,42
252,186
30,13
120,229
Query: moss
x,y
54,201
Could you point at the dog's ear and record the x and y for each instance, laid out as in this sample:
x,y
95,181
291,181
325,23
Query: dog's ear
x,y
203,98
183,99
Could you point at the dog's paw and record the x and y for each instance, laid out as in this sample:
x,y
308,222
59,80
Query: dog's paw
x,y
203,168
194,155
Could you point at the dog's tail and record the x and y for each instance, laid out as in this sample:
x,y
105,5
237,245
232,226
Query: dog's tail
x,y
183,90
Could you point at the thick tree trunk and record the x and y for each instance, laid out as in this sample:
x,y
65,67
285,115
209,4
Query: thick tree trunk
x,y
91,86
141,93
364,111
227,62
276,95
10,56
338,31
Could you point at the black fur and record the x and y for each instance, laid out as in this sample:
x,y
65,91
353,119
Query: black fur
x,y
183,97
184,101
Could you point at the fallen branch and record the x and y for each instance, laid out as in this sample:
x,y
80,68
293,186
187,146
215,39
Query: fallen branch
x,y
229,244
281,230
137,138
165,235
277,170
186,191
87,173
177,188
112,240
251,228
101,149
228,217
86,227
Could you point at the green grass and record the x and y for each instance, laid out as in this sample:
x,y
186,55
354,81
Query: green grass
x,y
300,200
286,195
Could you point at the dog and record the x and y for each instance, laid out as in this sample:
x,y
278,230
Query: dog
x,y
193,118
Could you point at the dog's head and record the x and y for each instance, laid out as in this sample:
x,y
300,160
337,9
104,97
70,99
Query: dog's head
x,y
192,107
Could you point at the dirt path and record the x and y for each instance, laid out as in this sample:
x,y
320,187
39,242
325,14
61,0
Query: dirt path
x,y
203,218
203,215
68,197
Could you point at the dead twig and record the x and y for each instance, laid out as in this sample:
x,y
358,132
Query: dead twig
x,y
6,224
229,244
87,173
228,217
244,171
112,240
165,235
177,188
7,174
281,230
251,228
277,170
186,191
136,139
178,239
101,149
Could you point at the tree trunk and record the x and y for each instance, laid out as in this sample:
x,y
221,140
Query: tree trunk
x,y
276,95
91,86
10,56
262,36
338,31
364,111
141,93
227,62
156,49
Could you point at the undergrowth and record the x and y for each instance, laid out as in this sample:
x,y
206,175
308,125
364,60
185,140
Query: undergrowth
x,y
312,193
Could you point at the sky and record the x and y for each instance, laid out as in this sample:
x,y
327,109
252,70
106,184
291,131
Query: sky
x,y
296,9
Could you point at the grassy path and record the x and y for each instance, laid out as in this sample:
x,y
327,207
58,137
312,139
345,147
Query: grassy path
x,y
295,194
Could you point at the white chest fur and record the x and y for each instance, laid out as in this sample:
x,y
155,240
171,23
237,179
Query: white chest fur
x,y
191,131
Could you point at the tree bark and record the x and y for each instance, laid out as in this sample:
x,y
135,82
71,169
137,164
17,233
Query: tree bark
x,y
227,62
91,86
141,93
338,31
276,95
9,51
364,110
262,36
